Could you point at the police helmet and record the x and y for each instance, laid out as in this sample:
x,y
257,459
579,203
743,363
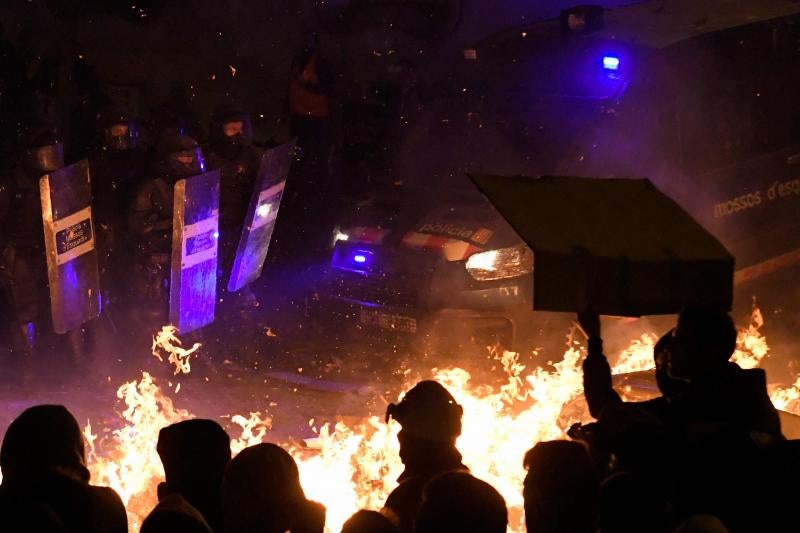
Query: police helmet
x,y
231,129
118,129
43,152
179,156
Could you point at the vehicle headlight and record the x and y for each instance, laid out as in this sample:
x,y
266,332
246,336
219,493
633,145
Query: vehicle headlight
x,y
501,264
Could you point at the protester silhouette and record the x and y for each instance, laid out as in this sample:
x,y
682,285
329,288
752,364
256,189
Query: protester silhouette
x,y
43,461
174,514
261,493
368,522
402,505
457,501
560,488
194,454
431,423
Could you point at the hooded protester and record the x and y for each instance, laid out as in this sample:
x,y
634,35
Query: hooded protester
x,y
261,493
560,489
431,422
43,461
194,454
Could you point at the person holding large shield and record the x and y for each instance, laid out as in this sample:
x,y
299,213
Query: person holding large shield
x,y
23,268
232,152
117,169
174,221
37,246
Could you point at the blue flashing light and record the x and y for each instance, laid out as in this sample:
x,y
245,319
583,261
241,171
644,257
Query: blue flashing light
x,y
611,62
360,258
215,235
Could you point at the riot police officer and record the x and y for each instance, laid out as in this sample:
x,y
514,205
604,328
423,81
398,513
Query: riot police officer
x,y
232,152
150,218
117,169
24,264
431,422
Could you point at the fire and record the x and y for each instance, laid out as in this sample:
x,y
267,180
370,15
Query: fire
x,y
351,467
126,460
167,341
254,428
638,356
751,345
787,398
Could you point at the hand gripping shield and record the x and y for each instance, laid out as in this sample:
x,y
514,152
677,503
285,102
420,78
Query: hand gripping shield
x,y
261,215
195,235
72,262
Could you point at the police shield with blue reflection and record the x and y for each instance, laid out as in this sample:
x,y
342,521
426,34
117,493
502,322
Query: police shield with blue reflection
x,y
195,242
261,216
72,262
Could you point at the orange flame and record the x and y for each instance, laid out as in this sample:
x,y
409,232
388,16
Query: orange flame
x,y
751,345
167,341
127,460
254,429
351,467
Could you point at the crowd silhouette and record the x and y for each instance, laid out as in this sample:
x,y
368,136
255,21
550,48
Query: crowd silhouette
x,y
706,456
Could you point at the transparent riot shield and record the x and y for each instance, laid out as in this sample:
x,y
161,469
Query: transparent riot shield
x,y
195,234
261,215
72,262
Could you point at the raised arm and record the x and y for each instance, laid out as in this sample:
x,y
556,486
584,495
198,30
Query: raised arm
x,y
597,386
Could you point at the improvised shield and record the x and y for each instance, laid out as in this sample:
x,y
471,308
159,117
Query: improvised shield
x,y
195,232
261,215
72,266
618,244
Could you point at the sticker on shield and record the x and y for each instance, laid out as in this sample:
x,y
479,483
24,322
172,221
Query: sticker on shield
x,y
200,241
73,236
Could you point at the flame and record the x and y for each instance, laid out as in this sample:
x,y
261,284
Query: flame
x,y
786,398
167,340
638,356
348,467
751,345
254,428
126,460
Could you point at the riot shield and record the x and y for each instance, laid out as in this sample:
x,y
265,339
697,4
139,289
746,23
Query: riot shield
x,y
195,232
261,215
72,263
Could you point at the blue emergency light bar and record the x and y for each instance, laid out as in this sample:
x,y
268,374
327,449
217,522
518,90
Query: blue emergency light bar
x,y
611,62
360,258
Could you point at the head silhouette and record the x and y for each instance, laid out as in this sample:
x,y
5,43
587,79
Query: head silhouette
x,y
704,340
194,454
560,488
457,501
368,522
261,491
43,440
431,423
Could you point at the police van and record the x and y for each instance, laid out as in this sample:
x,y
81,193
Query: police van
x,y
700,97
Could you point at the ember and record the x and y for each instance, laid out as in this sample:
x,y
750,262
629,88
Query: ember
x,y
354,467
